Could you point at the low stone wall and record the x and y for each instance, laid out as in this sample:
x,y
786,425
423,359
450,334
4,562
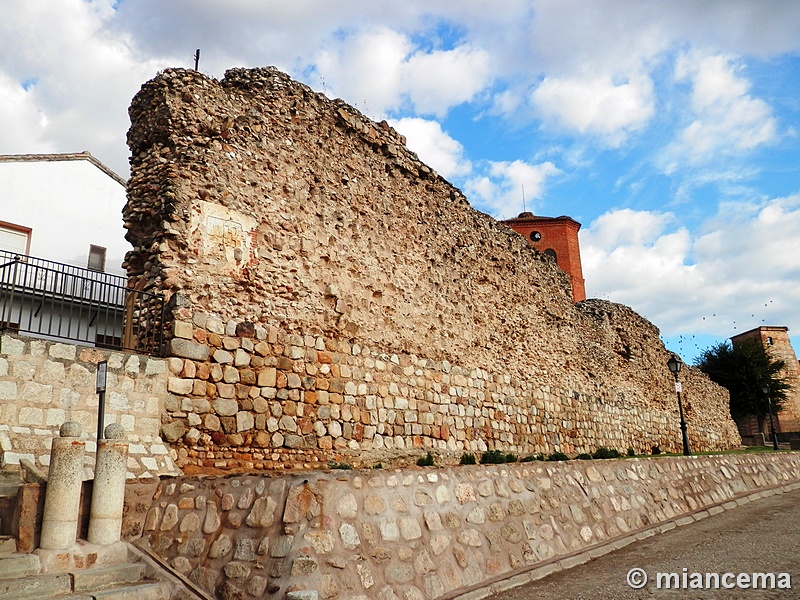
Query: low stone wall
x,y
427,533
45,383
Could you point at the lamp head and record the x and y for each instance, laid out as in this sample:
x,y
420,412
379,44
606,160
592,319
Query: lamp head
x,y
765,389
674,364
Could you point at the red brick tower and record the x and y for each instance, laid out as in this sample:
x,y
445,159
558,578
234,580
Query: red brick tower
x,y
776,341
556,237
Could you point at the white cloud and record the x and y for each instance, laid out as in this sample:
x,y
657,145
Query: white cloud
x,y
439,80
364,69
21,122
499,186
71,104
596,105
726,120
741,272
380,70
434,146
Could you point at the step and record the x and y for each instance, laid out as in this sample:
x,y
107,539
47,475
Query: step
x,y
36,586
107,577
142,591
17,566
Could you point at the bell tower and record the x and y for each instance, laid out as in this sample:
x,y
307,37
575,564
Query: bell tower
x,y
558,238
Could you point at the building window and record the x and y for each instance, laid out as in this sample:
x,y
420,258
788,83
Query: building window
x,y
551,253
769,341
97,258
535,236
15,238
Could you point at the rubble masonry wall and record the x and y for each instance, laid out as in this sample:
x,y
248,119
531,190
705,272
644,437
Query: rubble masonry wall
x,y
330,296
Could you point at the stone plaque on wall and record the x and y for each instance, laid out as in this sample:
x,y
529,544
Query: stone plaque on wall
x,y
225,235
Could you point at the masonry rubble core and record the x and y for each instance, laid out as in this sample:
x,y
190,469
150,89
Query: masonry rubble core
x,y
332,296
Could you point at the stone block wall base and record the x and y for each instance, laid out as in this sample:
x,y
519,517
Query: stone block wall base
x,y
434,532
540,571
82,555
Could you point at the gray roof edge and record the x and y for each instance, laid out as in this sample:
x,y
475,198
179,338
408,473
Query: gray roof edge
x,y
85,155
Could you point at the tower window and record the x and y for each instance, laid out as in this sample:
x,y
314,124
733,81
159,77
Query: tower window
x,y
97,258
551,253
535,236
769,341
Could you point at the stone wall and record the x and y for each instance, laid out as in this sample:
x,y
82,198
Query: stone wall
x,y
45,383
429,533
330,294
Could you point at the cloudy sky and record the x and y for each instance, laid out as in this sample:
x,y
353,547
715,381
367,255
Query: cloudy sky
x,y
668,129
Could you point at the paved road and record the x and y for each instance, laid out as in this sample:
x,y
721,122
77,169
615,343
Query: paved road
x,y
762,536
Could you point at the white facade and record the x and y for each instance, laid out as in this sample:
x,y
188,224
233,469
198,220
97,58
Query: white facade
x,y
62,204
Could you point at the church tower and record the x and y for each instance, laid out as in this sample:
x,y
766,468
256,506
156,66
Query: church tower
x,y
558,238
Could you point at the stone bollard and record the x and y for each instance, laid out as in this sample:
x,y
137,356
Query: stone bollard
x,y
63,494
108,493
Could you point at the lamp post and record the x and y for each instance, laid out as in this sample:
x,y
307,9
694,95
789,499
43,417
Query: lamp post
x,y
765,389
675,364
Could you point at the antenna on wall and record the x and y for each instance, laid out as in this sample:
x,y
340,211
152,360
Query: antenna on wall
x,y
523,199
196,58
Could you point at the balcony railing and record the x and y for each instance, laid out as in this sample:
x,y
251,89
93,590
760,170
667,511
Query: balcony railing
x,y
54,300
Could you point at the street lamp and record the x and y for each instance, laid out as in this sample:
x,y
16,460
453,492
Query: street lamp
x,y
675,364
765,389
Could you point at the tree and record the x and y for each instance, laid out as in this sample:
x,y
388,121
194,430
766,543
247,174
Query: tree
x,y
744,369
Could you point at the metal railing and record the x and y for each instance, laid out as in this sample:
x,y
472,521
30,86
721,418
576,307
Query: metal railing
x,y
55,300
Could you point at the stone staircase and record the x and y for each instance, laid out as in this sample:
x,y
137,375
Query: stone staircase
x,y
117,572
22,576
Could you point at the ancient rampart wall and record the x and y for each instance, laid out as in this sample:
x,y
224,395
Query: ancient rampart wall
x,y
422,534
45,383
329,292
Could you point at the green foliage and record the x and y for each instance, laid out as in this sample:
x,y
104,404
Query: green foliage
x,y
743,369
426,461
468,459
496,457
583,456
340,466
557,456
603,452
631,452
532,458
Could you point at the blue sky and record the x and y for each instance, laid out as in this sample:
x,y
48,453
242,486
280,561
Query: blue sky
x,y
668,129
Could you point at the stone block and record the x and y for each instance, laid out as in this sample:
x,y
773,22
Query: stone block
x,y
188,349
182,387
8,390
244,421
183,329
64,351
223,357
10,346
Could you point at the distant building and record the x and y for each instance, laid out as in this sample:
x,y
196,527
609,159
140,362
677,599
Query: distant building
x,y
65,208
776,342
62,247
556,237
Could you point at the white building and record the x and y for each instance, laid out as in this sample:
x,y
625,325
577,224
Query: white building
x,y
62,244
63,207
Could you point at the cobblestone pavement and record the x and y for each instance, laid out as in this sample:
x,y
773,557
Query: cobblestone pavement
x,y
760,537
